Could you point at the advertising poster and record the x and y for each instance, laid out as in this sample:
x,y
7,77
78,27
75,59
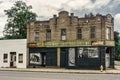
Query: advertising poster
x,y
71,59
35,58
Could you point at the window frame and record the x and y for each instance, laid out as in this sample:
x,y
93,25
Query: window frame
x,y
108,33
88,52
5,58
20,60
63,34
36,36
92,32
48,34
79,33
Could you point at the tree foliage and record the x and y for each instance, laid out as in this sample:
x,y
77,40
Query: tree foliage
x,y
117,45
18,17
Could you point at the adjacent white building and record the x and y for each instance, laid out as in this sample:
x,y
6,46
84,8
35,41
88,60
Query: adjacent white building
x,y
13,53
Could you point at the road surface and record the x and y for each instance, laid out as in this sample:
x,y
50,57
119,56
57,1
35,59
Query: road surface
x,y
14,75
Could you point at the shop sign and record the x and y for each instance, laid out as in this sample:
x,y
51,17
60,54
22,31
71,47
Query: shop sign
x,y
97,43
31,44
109,43
61,44
68,43
42,44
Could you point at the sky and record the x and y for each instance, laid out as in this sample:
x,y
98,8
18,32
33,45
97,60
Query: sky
x,y
45,9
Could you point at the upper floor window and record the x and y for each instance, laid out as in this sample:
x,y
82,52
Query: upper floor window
x,y
48,34
92,32
36,36
63,34
79,33
37,28
108,33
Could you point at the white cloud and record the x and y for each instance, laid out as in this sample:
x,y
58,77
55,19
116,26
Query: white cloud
x,y
117,22
47,8
4,5
2,24
88,4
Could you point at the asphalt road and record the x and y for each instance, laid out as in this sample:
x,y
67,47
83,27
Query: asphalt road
x,y
13,75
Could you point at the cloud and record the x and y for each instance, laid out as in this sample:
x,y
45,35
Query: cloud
x,y
1,2
48,8
88,4
5,4
2,24
45,9
117,22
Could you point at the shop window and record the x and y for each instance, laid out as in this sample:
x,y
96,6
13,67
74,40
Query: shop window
x,y
5,58
35,58
93,53
88,53
63,34
92,32
36,36
80,52
79,33
48,34
20,58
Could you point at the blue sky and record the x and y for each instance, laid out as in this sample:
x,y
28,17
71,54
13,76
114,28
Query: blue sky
x,y
45,9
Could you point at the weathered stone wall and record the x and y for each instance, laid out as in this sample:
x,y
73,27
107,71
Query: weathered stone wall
x,y
71,24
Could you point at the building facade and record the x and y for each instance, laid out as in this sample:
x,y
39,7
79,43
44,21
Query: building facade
x,y
13,53
71,42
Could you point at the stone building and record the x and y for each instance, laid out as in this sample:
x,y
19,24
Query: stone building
x,y
68,41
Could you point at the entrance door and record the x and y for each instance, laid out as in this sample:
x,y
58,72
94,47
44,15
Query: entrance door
x,y
12,59
43,54
107,59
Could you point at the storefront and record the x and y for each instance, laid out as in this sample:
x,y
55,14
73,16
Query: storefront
x,y
89,55
67,41
41,57
13,53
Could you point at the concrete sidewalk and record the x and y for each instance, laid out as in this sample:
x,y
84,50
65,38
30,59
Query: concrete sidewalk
x,y
61,70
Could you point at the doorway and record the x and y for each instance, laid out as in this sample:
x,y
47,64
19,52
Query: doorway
x,y
12,59
43,59
107,57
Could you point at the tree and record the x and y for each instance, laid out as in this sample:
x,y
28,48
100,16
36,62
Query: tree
x,y
18,17
117,45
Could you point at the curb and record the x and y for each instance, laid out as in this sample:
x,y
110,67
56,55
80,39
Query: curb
x,y
63,71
